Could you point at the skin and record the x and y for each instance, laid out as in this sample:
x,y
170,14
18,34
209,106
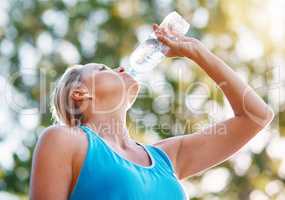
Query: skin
x,y
60,151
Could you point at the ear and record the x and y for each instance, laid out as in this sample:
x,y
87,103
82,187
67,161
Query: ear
x,y
79,94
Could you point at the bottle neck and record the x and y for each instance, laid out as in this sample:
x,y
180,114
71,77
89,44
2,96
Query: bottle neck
x,y
130,70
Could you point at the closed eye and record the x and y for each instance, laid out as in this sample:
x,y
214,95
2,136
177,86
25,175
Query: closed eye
x,y
100,67
103,68
97,66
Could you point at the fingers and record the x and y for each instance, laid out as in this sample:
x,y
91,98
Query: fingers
x,y
168,30
162,35
170,33
155,27
174,32
159,31
165,40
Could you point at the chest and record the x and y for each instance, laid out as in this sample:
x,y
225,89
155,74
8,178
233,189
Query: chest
x,y
100,172
117,179
135,156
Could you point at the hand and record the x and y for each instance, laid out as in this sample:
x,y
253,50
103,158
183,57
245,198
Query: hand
x,y
179,45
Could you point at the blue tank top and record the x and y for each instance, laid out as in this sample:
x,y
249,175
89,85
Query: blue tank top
x,y
106,175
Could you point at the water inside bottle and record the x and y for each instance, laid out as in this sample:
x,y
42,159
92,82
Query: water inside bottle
x,y
151,52
147,56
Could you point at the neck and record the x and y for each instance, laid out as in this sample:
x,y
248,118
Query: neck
x,y
112,127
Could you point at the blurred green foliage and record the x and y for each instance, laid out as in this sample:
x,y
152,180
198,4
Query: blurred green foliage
x,y
46,36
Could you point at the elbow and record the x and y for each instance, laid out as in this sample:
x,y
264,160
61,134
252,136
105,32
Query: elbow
x,y
270,115
261,121
266,118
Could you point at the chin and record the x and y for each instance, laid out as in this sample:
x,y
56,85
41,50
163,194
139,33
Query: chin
x,y
132,87
132,101
133,91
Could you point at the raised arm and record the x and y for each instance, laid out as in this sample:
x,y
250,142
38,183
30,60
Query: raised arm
x,y
196,152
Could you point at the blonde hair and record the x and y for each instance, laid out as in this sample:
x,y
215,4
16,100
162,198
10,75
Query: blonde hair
x,y
63,108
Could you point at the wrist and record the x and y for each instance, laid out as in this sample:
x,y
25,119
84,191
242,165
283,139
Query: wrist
x,y
195,50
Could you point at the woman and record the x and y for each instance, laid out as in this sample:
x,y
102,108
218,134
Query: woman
x,y
92,155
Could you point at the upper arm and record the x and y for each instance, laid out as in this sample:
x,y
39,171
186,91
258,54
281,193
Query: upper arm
x,y
52,166
195,152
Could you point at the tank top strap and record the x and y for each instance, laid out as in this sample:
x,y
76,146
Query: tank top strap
x,y
88,163
90,133
91,137
95,141
85,130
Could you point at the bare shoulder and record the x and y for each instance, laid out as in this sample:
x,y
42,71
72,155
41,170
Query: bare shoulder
x,y
58,139
52,166
59,133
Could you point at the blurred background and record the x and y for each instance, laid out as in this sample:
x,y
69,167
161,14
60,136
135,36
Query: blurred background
x,y
39,39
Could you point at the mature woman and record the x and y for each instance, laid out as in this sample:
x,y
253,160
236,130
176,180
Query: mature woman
x,y
92,156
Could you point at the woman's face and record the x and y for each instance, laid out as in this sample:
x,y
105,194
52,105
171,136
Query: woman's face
x,y
112,89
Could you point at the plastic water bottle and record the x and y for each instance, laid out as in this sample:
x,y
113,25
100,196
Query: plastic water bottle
x,y
151,52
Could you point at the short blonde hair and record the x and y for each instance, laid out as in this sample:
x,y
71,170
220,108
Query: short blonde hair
x,y
63,108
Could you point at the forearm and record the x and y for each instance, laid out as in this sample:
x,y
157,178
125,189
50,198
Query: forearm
x,y
243,99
